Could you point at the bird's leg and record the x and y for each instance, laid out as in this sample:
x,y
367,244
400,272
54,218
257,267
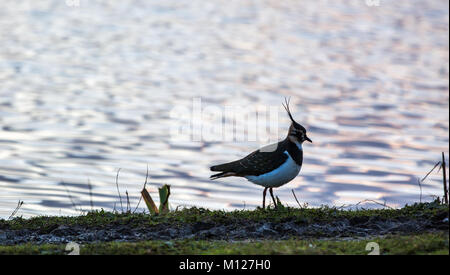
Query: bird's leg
x,y
264,198
273,198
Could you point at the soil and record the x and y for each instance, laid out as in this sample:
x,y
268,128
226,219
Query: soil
x,y
235,229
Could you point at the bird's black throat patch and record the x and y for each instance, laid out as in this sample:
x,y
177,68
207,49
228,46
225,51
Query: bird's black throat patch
x,y
295,153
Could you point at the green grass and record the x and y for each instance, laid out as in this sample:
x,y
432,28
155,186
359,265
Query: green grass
x,y
429,243
325,214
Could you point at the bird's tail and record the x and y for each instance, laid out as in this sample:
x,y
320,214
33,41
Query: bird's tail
x,y
229,166
225,169
222,175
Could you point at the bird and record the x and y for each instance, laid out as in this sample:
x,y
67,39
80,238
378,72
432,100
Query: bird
x,y
270,166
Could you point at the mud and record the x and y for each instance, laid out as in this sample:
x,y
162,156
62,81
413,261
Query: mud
x,y
357,227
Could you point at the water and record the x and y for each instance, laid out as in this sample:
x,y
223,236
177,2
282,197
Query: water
x,y
87,90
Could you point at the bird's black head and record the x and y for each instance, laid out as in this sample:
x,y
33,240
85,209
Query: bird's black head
x,y
296,132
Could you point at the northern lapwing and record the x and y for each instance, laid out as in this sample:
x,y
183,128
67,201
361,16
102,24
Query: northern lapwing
x,y
273,165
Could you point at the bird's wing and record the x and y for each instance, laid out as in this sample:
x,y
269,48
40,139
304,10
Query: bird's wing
x,y
257,163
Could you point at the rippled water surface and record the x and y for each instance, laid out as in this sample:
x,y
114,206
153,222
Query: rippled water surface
x,y
88,90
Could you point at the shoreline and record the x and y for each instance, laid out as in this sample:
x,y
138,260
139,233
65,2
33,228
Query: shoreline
x,y
238,228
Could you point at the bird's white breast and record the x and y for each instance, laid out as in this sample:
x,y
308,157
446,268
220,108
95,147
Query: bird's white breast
x,y
283,174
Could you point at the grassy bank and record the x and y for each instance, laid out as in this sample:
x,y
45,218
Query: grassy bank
x,y
415,229
432,211
429,243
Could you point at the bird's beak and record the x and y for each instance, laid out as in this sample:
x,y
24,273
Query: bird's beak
x,y
307,138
